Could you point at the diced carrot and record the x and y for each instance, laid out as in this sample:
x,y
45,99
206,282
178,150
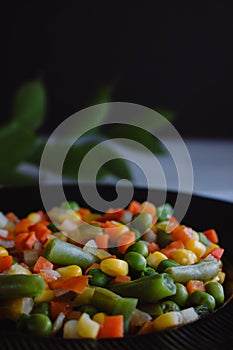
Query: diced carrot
x,y
125,240
93,266
134,207
41,231
12,217
20,241
181,232
217,253
6,262
170,248
115,214
102,241
153,247
56,307
30,240
193,285
23,225
42,264
83,212
211,235
121,279
74,283
112,327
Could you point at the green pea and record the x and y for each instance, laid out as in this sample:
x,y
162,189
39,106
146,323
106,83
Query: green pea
x,y
138,247
164,212
142,222
216,290
137,233
166,263
169,305
99,278
70,205
181,296
41,308
136,261
39,324
202,298
163,238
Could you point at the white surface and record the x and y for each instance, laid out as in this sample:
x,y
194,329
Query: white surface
x,y
212,162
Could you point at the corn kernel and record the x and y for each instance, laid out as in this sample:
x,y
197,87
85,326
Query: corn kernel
x,y
87,328
194,235
114,267
70,271
18,269
167,320
221,275
210,247
196,246
3,251
47,295
155,258
34,217
99,317
184,256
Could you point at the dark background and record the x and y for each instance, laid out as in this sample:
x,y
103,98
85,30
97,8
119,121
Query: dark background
x,y
172,54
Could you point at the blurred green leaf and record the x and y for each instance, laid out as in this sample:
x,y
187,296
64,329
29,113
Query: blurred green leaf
x,y
29,105
140,136
16,144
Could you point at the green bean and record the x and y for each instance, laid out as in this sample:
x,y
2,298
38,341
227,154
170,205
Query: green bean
x,y
147,289
17,286
64,253
113,304
203,270
166,263
169,305
70,205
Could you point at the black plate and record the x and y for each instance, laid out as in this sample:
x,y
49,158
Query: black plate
x,y
211,332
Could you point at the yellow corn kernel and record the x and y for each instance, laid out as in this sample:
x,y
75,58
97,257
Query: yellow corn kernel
x,y
221,275
184,256
34,217
87,328
114,267
18,269
14,308
210,247
167,320
47,295
99,317
3,251
196,246
155,258
194,235
70,271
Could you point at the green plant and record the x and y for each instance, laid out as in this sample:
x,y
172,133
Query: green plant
x,y
22,143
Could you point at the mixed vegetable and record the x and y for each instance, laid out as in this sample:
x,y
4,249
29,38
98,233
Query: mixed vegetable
x,y
73,273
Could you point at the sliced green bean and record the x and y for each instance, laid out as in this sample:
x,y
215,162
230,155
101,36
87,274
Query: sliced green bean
x,y
64,253
17,286
203,270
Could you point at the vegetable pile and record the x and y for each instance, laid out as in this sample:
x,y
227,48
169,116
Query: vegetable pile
x,y
74,273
